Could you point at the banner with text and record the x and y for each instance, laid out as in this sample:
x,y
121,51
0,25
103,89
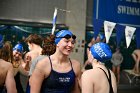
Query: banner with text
x,y
119,11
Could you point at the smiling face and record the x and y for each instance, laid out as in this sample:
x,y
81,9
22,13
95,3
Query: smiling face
x,y
16,55
65,46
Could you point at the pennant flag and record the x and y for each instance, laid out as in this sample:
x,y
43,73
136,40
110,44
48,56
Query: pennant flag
x,y
119,33
54,20
138,38
108,28
97,25
129,31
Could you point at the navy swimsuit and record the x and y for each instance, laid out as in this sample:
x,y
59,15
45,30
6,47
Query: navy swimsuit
x,y
1,89
58,82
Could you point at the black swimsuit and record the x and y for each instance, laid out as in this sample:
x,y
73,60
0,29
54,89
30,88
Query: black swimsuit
x,y
109,80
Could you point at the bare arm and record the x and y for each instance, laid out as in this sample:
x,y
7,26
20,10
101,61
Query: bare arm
x,y
10,81
87,85
77,85
114,82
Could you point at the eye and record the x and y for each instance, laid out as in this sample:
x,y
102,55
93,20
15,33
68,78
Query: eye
x,y
66,40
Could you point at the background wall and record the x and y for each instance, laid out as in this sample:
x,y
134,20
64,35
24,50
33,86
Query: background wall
x,y
76,20
32,10
41,11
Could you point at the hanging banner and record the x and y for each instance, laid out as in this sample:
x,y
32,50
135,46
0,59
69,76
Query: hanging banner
x,y
97,25
129,31
119,33
118,11
108,28
138,38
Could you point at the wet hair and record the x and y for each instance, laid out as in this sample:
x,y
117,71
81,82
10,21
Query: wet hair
x,y
49,46
34,38
6,52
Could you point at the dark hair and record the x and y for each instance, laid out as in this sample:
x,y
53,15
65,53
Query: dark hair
x,y
6,52
34,38
48,45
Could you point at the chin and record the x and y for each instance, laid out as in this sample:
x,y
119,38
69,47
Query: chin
x,y
67,53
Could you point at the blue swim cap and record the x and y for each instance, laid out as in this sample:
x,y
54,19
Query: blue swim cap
x,y
1,41
101,51
19,48
60,34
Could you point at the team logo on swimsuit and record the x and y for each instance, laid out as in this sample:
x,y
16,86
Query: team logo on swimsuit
x,y
64,79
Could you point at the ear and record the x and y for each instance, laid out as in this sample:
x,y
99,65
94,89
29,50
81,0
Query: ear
x,y
58,44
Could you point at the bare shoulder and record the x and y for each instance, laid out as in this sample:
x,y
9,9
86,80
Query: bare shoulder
x,y
5,66
76,66
88,74
5,63
75,63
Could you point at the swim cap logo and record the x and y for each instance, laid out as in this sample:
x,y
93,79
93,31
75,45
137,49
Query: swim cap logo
x,y
60,33
99,51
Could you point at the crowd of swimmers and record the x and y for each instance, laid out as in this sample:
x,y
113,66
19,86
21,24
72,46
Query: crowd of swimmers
x,y
50,69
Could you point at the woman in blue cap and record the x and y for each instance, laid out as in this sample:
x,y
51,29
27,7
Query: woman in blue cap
x,y
18,63
57,73
99,79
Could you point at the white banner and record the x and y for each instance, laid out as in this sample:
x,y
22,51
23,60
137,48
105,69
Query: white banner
x,y
129,31
108,28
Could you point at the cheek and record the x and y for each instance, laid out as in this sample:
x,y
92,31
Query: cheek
x,y
62,44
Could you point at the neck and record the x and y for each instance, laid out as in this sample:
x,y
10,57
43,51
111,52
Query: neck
x,y
37,48
97,64
59,57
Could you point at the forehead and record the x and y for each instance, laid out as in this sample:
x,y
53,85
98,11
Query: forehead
x,y
70,39
16,52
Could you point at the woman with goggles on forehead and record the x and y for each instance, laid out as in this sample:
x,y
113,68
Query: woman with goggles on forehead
x,y
57,73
